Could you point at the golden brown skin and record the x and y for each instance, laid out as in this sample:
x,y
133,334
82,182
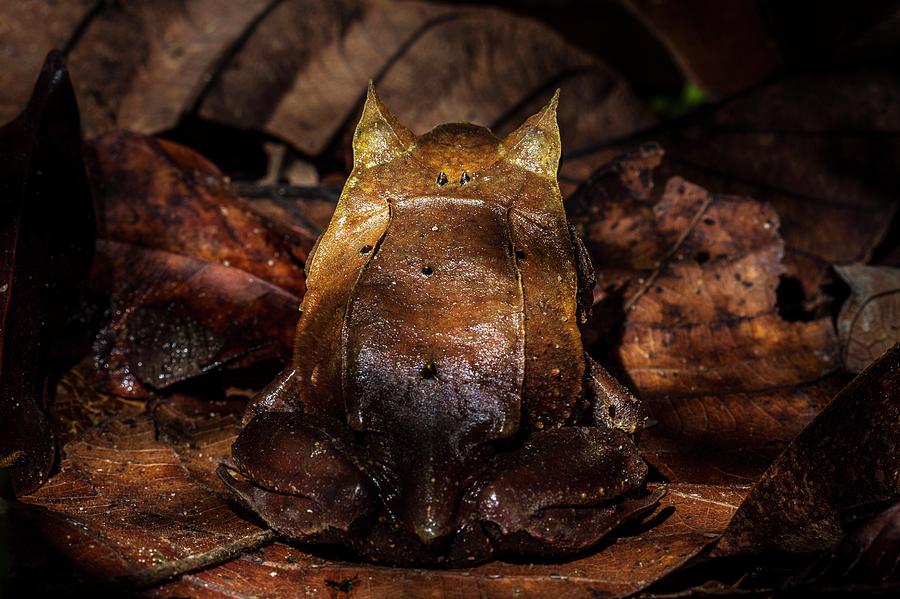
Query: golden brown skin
x,y
440,406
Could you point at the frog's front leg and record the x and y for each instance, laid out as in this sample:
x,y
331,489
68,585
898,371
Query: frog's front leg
x,y
299,474
612,404
562,491
281,395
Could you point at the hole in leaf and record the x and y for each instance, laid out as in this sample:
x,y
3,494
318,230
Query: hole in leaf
x,y
790,300
520,254
702,257
442,179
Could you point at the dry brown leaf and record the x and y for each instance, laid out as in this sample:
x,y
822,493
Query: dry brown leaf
x,y
846,458
197,277
142,66
46,242
173,318
126,511
869,322
161,195
29,30
138,65
826,168
687,308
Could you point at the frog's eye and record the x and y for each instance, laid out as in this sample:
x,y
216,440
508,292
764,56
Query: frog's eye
x,y
465,178
442,179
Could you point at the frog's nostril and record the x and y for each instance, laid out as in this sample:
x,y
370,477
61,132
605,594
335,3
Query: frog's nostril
x,y
429,371
465,178
427,271
442,179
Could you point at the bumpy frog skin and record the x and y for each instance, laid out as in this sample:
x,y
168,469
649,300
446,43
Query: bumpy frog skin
x,y
440,407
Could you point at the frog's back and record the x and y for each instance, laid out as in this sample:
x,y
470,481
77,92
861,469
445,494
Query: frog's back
x,y
444,288
435,324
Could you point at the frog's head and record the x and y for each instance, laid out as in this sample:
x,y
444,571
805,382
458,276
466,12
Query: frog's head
x,y
453,159
436,389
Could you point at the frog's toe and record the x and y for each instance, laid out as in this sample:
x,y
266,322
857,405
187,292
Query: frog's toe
x,y
297,473
563,491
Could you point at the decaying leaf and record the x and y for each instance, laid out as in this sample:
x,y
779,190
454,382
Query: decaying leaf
x,y
847,457
826,168
686,305
46,242
869,322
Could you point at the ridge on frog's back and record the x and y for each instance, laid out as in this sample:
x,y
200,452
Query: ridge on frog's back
x,y
440,405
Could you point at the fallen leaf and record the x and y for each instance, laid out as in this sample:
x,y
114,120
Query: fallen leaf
x,y
312,97
127,512
29,31
174,318
197,277
686,308
707,39
143,67
161,195
869,321
846,457
826,168
46,242
137,65
871,553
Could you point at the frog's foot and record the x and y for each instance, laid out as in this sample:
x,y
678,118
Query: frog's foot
x,y
563,491
298,474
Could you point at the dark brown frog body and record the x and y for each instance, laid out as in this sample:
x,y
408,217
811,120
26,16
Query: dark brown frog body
x,y
440,406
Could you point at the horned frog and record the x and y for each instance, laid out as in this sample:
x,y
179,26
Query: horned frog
x,y
440,407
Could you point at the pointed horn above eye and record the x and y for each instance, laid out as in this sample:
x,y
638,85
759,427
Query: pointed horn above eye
x,y
379,136
535,145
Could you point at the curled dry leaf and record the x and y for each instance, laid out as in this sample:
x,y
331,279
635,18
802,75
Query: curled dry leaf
x,y
46,242
143,66
686,305
174,317
869,322
847,457
197,277
161,195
